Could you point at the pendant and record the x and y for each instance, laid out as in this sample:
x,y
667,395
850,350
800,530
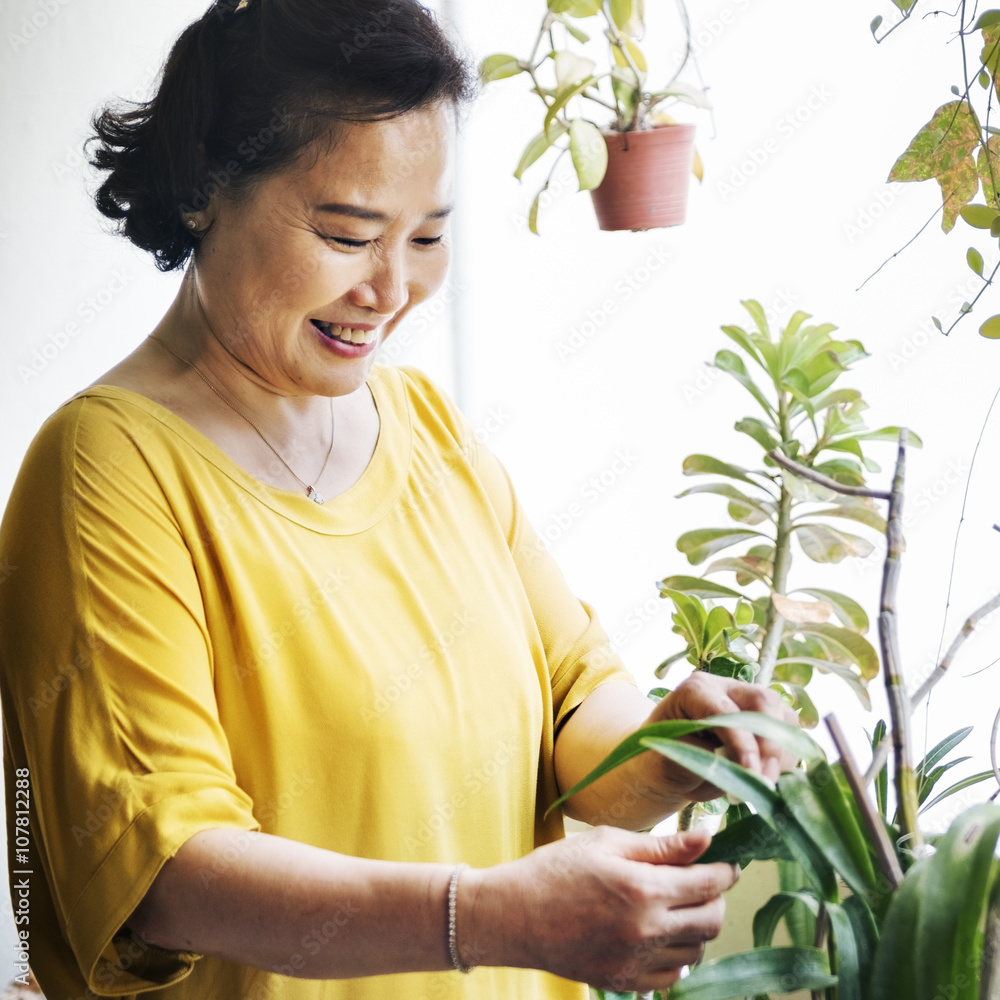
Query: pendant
x,y
314,495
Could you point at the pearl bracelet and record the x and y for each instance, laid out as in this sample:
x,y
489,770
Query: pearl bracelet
x,y
456,961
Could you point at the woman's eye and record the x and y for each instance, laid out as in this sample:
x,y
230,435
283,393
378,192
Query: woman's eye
x,y
343,241
429,241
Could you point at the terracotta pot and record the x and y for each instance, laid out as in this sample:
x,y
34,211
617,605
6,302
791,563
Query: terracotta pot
x,y
647,180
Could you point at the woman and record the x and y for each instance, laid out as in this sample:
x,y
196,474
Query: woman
x,y
284,653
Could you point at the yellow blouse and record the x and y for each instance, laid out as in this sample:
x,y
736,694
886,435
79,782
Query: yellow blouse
x,y
185,648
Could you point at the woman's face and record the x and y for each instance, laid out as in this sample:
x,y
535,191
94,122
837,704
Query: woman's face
x,y
303,279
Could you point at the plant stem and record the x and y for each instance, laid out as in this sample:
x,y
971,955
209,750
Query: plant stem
x,y
939,671
774,624
887,859
817,477
899,703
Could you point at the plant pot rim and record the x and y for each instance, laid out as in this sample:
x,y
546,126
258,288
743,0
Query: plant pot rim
x,y
642,131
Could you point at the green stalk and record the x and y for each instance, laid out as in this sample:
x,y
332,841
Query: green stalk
x,y
774,624
899,703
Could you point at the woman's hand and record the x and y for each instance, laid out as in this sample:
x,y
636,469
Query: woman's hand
x,y
703,695
619,910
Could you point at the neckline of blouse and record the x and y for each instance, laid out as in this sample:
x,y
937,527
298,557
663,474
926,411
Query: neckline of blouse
x,y
359,507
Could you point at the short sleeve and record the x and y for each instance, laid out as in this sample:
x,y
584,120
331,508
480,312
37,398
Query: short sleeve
x,y
577,649
106,680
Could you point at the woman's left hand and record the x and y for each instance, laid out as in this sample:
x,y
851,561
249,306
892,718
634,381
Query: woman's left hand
x,y
703,695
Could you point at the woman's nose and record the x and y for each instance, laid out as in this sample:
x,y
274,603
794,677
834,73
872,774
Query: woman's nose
x,y
385,287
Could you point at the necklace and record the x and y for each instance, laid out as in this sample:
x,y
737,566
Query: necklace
x,y
311,491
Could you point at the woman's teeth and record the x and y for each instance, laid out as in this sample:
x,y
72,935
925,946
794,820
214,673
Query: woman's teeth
x,y
345,333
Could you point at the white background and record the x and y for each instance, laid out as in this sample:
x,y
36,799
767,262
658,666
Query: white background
x,y
793,211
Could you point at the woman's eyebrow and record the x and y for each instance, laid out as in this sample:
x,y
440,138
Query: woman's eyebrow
x,y
369,214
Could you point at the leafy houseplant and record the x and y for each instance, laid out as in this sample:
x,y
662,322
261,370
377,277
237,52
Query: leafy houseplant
x,y
782,636
636,167
920,921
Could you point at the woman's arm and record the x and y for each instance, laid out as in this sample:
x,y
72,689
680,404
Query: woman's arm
x,y
649,788
612,908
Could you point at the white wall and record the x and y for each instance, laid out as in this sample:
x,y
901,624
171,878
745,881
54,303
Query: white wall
x,y
793,211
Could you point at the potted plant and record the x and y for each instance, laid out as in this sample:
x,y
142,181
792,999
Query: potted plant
x,y
636,165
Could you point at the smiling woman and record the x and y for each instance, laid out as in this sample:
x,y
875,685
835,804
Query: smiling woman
x,y
285,656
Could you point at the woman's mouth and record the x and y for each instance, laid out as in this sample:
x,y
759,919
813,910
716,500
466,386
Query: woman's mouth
x,y
345,334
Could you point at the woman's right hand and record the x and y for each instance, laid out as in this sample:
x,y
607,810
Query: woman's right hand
x,y
619,910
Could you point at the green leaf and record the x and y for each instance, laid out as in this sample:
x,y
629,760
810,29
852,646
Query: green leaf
x,y
690,618
697,586
988,19
824,544
718,620
763,970
876,21
731,363
685,92
882,778
979,216
848,644
735,780
589,152
584,8
865,938
928,782
942,149
790,737
959,786
854,512
628,16
563,98
699,544
539,145
731,493
533,213
894,970
845,608
816,801
758,315
581,36
700,465
746,840
801,703
759,431
856,683
747,569
499,67
800,920
570,68
850,985
975,260
767,918
742,339
957,882
941,749
891,434
991,328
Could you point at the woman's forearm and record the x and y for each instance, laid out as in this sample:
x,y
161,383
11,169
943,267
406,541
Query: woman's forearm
x,y
631,796
276,904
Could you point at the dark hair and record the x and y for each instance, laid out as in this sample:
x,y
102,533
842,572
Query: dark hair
x,y
246,89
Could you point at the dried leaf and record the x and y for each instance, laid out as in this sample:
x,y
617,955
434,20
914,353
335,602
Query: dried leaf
x,y
791,610
942,149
